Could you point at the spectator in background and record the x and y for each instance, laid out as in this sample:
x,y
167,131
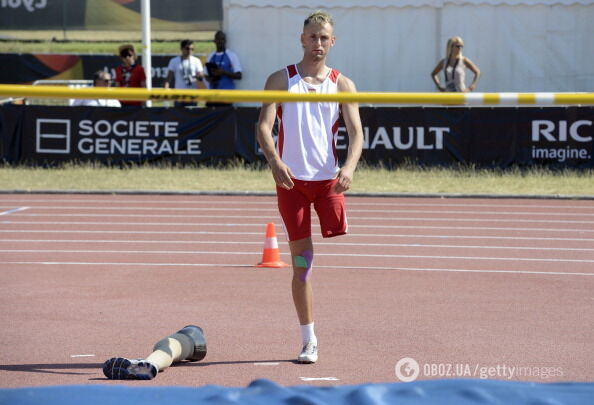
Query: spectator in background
x,y
222,66
186,71
101,78
129,73
454,67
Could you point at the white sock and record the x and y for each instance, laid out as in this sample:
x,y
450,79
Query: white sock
x,y
307,333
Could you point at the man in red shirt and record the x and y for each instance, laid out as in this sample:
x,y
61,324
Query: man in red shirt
x,y
129,73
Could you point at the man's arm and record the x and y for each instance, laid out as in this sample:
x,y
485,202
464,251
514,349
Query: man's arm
x,y
200,81
352,120
168,79
280,171
199,74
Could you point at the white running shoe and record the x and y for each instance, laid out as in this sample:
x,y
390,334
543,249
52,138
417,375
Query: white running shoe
x,y
309,354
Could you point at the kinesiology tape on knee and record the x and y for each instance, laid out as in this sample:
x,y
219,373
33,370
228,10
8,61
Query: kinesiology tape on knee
x,y
305,261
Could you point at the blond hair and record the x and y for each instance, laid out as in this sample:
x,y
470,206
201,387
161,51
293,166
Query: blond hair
x,y
319,17
451,42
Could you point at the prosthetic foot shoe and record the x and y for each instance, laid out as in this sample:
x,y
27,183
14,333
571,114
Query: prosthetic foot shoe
x,y
120,368
309,354
197,335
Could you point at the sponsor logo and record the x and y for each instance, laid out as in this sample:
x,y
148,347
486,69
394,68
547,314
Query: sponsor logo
x,y
121,137
397,138
552,138
29,5
52,136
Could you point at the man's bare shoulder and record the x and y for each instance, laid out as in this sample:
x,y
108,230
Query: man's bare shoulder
x,y
345,84
277,81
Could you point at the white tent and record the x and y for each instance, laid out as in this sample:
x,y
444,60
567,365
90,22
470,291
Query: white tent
x,y
520,46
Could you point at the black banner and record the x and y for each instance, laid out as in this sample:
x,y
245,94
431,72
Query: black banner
x,y
42,14
27,68
555,137
42,135
170,15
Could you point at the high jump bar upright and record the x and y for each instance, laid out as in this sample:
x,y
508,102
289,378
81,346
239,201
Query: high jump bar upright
x,y
27,91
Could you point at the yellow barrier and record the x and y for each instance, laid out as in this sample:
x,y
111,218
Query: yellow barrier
x,y
283,96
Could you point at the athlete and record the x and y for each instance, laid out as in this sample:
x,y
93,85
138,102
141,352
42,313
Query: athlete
x,y
304,163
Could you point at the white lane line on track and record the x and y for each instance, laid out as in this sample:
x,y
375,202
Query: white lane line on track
x,y
207,252
82,355
268,217
251,266
226,242
266,363
236,225
357,235
271,201
13,211
131,232
319,379
273,209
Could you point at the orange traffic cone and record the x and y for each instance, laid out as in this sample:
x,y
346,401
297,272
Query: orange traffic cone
x,y
271,254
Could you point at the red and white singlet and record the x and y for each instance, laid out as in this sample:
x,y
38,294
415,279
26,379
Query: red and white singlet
x,y
307,131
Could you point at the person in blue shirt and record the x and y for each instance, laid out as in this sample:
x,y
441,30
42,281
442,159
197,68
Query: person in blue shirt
x,y
223,66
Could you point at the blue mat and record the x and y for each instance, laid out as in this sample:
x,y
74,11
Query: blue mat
x,y
263,392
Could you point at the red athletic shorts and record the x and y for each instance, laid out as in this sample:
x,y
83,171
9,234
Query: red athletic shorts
x,y
295,208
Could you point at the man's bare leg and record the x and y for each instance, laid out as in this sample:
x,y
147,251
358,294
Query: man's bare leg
x,y
302,258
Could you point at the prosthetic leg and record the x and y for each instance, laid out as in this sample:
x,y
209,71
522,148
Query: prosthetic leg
x,y
186,344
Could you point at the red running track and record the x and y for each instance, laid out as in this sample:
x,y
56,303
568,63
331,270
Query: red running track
x,y
479,286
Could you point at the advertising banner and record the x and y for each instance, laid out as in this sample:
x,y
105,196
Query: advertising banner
x,y
481,136
27,68
104,15
42,14
42,135
485,137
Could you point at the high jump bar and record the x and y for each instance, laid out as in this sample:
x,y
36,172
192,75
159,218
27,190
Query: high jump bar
x,y
268,96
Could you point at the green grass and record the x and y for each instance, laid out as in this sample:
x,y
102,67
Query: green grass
x,y
238,178
98,42
96,47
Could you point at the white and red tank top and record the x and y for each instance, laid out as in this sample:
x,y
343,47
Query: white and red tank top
x,y
307,131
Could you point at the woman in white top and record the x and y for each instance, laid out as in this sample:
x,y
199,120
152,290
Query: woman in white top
x,y
454,66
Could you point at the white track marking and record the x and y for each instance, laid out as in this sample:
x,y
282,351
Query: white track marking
x,y
228,253
353,201
408,236
448,270
236,225
13,211
130,232
358,235
273,209
226,242
319,379
266,363
82,355
251,266
351,218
